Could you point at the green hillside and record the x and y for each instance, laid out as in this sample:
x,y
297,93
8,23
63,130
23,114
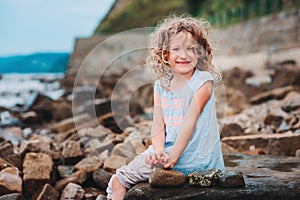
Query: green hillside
x,y
145,13
141,13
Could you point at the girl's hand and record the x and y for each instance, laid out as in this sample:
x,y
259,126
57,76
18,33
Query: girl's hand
x,y
159,157
171,163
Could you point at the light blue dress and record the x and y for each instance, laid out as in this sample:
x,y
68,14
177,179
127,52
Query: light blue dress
x,y
204,148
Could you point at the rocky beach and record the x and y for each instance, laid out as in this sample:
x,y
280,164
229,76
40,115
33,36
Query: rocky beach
x,y
56,145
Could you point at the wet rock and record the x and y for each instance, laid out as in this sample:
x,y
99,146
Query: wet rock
x,y
166,178
231,179
10,181
205,178
46,192
14,196
114,162
272,144
89,164
101,178
71,152
72,191
37,170
266,177
78,177
65,170
277,93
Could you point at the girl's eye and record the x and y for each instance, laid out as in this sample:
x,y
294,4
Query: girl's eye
x,y
190,48
175,49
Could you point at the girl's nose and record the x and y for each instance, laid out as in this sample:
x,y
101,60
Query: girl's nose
x,y
182,53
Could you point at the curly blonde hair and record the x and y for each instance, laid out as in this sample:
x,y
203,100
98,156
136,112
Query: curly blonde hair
x,y
163,34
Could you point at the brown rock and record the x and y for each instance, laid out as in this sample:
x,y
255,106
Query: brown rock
x,y
4,164
45,193
101,178
232,129
78,177
71,152
277,93
231,179
72,191
15,159
37,170
89,164
6,148
166,178
114,162
14,196
272,144
10,181
42,105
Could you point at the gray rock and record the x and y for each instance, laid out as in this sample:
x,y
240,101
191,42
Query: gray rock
x,y
166,178
89,164
101,178
14,196
72,191
10,181
114,162
205,178
231,179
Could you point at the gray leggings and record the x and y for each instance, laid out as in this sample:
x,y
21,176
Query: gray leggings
x,y
136,171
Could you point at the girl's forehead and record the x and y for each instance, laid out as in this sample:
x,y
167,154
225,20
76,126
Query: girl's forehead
x,y
183,37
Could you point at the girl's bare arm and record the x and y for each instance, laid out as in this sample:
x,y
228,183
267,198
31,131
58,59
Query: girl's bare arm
x,y
157,134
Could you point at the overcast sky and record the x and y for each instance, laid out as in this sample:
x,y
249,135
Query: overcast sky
x,y
30,26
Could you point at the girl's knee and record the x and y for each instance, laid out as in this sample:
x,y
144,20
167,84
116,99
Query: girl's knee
x,y
116,183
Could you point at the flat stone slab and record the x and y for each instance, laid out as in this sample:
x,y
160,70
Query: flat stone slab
x,y
266,177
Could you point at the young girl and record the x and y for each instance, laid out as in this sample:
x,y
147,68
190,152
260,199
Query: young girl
x,y
185,133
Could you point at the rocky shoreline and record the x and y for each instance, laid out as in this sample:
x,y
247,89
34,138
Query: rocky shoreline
x,y
47,156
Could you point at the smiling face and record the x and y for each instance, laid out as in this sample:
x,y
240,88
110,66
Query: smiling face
x,y
182,55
